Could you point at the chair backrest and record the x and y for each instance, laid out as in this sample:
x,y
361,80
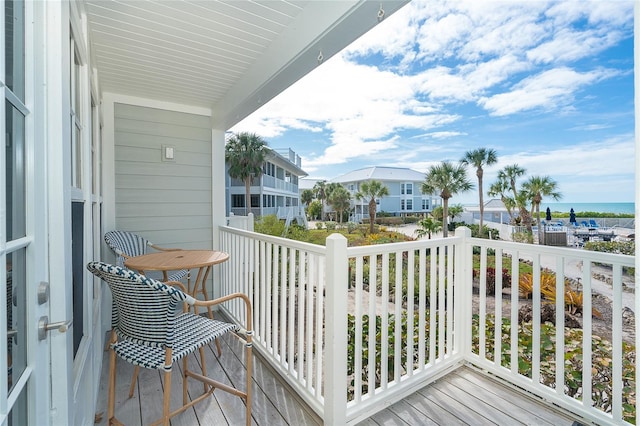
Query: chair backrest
x,y
125,242
144,309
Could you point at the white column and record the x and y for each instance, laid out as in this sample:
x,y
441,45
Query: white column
x,y
462,292
335,393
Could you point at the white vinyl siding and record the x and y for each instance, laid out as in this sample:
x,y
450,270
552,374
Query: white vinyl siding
x,y
169,202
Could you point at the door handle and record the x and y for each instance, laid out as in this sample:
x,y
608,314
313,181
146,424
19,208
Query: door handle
x,y
44,326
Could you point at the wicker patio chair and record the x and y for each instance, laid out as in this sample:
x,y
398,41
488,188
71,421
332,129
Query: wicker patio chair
x,y
148,333
127,244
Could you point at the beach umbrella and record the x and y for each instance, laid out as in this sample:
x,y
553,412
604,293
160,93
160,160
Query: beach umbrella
x,y
572,216
548,214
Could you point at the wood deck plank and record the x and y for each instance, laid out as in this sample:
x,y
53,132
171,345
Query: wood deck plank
x,y
477,403
500,393
435,395
411,415
465,396
434,412
274,395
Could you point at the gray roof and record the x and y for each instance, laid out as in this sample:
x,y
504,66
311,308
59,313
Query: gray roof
x,y
401,174
493,205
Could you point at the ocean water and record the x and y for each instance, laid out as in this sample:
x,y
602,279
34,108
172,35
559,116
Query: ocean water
x,y
628,208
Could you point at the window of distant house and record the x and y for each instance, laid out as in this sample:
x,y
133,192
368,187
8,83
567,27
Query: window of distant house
x,y
255,200
409,204
351,187
237,200
401,204
406,188
409,187
425,204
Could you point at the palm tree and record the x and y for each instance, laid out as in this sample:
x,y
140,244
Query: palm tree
x,y
537,187
306,197
455,210
510,174
340,200
245,154
478,158
371,190
320,190
427,226
447,179
500,188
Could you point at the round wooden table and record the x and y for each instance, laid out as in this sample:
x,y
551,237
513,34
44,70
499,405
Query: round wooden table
x,y
164,261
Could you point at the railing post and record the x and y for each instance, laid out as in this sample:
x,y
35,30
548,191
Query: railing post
x,y
250,222
463,292
335,341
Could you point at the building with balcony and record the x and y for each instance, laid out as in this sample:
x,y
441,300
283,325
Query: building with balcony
x,y
405,196
275,192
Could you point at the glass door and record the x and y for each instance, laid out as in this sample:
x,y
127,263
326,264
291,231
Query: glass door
x,y
24,362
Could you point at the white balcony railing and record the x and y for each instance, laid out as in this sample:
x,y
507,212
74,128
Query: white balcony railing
x,y
316,308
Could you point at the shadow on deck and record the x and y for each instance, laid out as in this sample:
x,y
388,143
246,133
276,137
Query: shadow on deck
x,y
464,397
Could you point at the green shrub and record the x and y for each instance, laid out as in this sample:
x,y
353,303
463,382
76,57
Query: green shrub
x,y
618,247
270,225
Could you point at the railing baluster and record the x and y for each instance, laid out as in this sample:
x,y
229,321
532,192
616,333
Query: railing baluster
x,y
422,305
357,345
535,350
560,291
497,332
303,352
433,309
410,306
373,287
384,356
397,344
291,321
482,297
515,292
587,340
617,342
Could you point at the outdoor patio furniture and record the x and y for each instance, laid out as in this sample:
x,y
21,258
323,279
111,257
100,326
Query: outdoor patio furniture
x,y
593,224
147,332
127,244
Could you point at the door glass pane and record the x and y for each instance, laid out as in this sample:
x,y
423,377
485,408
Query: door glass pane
x,y
77,250
15,173
16,316
14,46
18,414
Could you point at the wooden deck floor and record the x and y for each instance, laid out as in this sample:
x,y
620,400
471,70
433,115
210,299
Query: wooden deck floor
x,y
464,397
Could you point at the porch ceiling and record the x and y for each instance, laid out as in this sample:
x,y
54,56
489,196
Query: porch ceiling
x,y
231,56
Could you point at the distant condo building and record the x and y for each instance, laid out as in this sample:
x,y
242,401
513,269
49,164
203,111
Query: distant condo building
x,y
405,197
275,192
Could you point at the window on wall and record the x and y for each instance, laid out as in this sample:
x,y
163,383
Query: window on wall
x,y
425,204
237,200
255,200
402,205
409,204
409,188
76,119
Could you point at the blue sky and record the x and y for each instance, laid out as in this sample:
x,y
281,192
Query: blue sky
x,y
548,85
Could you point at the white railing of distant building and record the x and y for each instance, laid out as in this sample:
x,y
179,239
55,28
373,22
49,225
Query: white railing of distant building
x,y
302,331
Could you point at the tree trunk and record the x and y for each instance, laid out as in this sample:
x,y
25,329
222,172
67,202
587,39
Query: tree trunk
x,y
372,215
481,196
445,217
247,196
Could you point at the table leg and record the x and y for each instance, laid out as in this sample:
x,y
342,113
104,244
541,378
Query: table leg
x,y
200,287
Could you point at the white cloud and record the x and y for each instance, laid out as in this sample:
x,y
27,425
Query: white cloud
x,y
548,90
